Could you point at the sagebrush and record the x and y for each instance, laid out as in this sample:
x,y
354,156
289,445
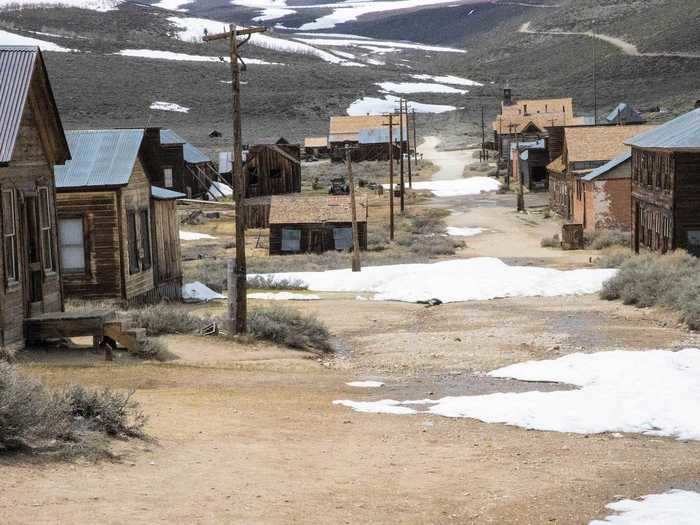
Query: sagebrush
x,y
289,327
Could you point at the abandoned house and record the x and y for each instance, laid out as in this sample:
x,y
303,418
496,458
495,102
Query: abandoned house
x,y
666,186
32,142
272,169
528,120
624,114
106,220
584,149
165,232
529,161
314,224
368,135
173,163
602,200
316,147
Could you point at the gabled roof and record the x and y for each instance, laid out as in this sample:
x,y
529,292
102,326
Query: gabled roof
x,y
348,128
625,114
274,147
104,157
609,166
510,124
17,67
541,105
598,143
191,154
163,194
314,209
316,142
679,134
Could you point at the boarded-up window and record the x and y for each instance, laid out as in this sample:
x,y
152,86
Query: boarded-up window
x,y
134,266
168,177
45,224
342,238
71,238
9,233
145,240
291,240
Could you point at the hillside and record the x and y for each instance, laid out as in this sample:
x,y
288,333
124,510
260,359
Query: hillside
x,y
297,78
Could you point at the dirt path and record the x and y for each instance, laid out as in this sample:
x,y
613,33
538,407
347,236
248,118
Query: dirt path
x,y
450,163
625,47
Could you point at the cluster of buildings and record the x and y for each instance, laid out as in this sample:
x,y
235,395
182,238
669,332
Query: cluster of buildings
x,y
621,175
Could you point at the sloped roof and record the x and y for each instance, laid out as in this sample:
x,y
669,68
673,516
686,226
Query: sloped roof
x,y
163,194
316,142
540,105
608,166
348,128
624,113
191,154
679,134
557,165
17,66
103,157
596,143
314,209
503,123
373,135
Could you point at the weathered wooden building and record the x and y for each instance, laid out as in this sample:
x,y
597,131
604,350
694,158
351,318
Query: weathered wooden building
x,y
624,114
529,161
602,197
316,147
368,135
32,142
272,169
314,224
584,149
666,186
165,232
104,217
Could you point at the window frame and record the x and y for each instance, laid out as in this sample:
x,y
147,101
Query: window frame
x,y
84,269
165,177
132,239
10,278
145,240
297,232
48,259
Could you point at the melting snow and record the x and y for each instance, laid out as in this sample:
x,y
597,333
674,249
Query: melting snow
x,y
194,236
377,106
456,187
675,507
463,232
448,79
169,55
349,42
283,296
452,281
169,106
92,5
419,87
652,392
12,39
198,292
365,384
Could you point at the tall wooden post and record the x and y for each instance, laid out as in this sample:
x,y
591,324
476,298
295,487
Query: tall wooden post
x,y
408,143
401,180
391,177
415,141
521,192
355,236
238,305
483,136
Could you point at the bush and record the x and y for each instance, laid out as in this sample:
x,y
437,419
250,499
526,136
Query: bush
x,y
430,221
672,281
601,239
165,318
435,245
551,242
155,349
33,417
613,257
266,282
288,327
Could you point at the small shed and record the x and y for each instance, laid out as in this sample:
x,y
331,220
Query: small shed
x,y
165,231
272,169
314,224
625,114
32,142
198,169
104,217
602,198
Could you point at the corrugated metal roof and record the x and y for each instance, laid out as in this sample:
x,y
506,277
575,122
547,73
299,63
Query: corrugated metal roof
x,y
16,69
163,194
608,166
373,136
681,133
624,113
191,154
104,157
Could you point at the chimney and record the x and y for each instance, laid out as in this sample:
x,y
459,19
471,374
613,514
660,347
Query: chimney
x,y
507,97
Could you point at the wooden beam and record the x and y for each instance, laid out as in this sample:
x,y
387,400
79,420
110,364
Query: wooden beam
x,y
227,35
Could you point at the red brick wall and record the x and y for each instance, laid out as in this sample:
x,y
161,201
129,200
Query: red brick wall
x,y
608,205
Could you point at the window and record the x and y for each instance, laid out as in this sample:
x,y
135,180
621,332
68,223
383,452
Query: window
x,y
9,234
134,266
71,239
275,173
342,238
291,240
145,240
253,176
45,224
168,177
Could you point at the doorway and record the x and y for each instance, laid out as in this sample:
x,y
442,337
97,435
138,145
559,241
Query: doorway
x,y
33,275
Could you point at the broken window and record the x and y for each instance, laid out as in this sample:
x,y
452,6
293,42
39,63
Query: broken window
x,y
134,266
291,240
168,177
145,240
9,233
71,239
45,224
342,238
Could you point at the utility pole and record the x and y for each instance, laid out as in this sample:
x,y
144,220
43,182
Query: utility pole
x,y
391,177
415,140
237,300
408,144
483,136
595,83
401,181
355,239
520,205
511,126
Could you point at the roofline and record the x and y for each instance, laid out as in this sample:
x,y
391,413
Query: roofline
x,y
76,189
61,130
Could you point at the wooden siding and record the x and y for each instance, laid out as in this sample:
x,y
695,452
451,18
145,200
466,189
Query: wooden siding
x,y
324,231
166,248
30,169
156,157
560,194
99,211
135,197
275,173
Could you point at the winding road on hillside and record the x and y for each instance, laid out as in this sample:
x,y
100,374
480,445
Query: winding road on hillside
x,y
625,47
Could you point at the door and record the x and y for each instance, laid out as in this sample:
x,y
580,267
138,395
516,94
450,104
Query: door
x,y
316,241
33,276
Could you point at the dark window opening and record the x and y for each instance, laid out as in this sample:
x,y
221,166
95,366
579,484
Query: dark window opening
x,y
45,224
9,234
253,176
145,240
275,173
134,266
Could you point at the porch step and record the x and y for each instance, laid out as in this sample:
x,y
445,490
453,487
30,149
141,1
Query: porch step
x,y
55,325
129,338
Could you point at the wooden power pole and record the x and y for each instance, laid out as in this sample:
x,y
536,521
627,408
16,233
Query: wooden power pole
x,y
355,238
415,140
401,142
237,301
408,144
391,177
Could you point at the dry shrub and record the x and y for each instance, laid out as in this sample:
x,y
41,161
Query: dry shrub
x,y
266,282
435,245
613,257
154,349
288,327
551,242
601,239
164,318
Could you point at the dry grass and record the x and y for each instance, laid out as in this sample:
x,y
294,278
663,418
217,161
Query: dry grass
x,y
601,239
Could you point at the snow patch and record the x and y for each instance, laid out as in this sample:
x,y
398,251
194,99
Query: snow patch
x,y
463,232
12,39
364,42
677,507
283,296
377,106
183,57
474,279
219,190
365,384
448,79
197,292
419,87
457,187
385,406
169,106
194,236
91,5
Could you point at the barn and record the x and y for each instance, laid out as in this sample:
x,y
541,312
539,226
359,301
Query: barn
x,y
107,229
666,186
32,142
272,169
314,224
